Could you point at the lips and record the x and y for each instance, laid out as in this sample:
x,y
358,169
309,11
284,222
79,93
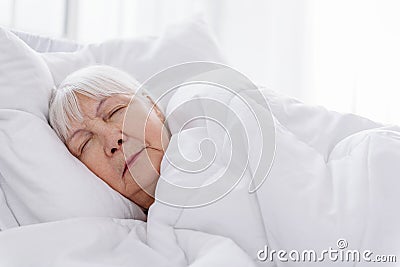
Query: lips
x,y
131,160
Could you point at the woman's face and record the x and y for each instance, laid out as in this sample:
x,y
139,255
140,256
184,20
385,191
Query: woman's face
x,y
111,132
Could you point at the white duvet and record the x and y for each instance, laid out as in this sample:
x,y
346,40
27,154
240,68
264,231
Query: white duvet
x,y
334,177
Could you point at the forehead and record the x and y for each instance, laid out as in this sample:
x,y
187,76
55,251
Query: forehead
x,y
88,105
91,108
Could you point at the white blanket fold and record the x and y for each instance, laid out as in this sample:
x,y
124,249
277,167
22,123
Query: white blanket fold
x,y
110,242
335,176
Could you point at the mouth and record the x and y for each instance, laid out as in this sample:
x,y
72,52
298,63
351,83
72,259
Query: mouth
x,y
131,160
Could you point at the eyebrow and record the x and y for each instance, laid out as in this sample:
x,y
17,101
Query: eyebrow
x,y
100,105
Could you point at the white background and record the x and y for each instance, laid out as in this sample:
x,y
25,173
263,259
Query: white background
x,y
343,54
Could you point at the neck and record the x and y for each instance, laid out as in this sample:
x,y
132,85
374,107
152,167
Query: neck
x,y
143,200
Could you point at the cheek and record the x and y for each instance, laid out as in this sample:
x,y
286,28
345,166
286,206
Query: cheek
x,y
98,163
133,125
141,126
146,170
153,133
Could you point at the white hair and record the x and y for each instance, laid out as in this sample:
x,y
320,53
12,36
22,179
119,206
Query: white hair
x,y
96,82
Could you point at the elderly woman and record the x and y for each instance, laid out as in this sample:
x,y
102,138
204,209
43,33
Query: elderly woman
x,y
87,112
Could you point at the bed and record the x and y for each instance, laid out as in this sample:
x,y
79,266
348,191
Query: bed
x,y
333,182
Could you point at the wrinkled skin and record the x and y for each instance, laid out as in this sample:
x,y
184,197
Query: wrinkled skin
x,y
105,147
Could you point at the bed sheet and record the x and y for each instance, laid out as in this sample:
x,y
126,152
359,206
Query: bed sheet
x,y
104,242
7,219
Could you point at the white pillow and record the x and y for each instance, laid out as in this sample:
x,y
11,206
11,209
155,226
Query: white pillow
x,y
46,44
142,57
41,180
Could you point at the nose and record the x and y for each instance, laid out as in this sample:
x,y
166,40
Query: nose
x,y
119,144
112,140
110,136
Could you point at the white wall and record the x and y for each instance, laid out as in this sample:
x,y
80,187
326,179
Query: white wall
x,y
342,54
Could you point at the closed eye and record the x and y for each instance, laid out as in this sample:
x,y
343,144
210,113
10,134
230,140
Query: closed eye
x,y
112,113
84,145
